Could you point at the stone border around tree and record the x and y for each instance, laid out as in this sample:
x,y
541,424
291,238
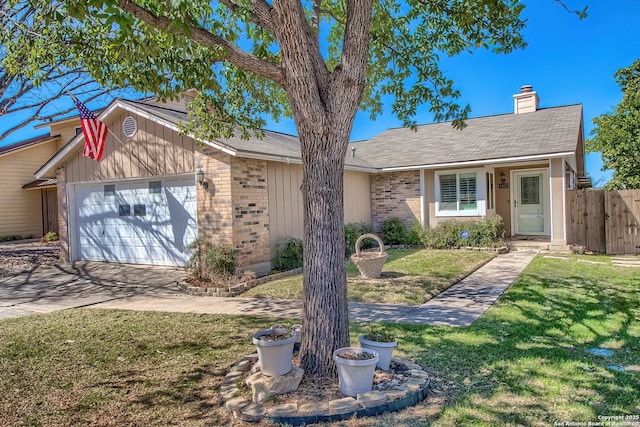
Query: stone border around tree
x,y
368,404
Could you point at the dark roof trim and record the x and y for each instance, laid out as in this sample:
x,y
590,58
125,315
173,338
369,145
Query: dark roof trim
x,y
27,143
39,184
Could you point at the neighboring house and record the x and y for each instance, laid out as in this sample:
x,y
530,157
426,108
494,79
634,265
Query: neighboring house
x,y
28,208
155,191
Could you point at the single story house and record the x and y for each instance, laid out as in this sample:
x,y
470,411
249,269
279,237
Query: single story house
x,y
155,191
28,208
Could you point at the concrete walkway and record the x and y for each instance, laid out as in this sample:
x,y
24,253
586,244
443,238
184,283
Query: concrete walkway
x,y
460,305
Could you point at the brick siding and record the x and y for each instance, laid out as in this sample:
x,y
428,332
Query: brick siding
x,y
395,195
250,210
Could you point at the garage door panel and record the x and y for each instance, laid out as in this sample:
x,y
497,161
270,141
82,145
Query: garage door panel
x,y
158,235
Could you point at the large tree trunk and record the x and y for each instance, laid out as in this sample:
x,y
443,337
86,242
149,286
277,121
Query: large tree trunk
x,y
324,106
326,322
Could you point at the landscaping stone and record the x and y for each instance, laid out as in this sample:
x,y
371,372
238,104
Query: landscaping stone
x,y
229,393
370,403
263,387
418,373
315,408
394,394
417,380
370,399
252,412
283,410
231,377
236,404
343,406
408,387
243,365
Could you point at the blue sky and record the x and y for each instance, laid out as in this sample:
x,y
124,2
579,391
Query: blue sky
x,y
568,61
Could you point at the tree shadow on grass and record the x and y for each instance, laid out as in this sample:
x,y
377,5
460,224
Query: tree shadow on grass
x,y
525,361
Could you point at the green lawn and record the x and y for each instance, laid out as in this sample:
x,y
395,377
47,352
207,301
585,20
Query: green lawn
x,y
523,363
409,276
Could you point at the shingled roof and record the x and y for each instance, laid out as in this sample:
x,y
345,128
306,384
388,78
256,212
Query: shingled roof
x,y
272,143
547,131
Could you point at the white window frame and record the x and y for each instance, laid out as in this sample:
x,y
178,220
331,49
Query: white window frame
x,y
480,193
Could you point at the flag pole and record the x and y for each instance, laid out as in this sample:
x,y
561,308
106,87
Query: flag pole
x,y
130,151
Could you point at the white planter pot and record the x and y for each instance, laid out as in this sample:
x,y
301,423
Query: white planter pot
x,y
355,376
384,350
274,356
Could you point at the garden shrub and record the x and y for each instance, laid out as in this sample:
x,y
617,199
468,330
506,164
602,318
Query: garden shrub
x,y
394,232
414,234
352,231
51,236
221,261
488,232
10,237
289,254
214,263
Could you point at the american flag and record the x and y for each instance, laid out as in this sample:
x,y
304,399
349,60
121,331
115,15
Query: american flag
x,y
95,132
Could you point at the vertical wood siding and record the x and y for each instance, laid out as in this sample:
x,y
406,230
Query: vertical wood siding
x,y
21,210
155,147
285,200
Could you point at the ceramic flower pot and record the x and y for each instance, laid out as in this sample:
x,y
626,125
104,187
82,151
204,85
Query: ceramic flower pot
x,y
355,376
274,355
384,350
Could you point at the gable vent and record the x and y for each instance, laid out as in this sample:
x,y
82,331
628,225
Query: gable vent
x,y
129,126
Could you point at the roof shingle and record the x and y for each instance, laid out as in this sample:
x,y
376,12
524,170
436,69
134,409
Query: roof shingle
x,y
546,131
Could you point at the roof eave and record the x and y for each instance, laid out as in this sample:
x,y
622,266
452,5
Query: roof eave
x,y
75,142
479,162
33,145
297,160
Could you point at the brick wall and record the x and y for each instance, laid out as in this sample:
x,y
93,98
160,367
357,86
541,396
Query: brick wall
x,y
63,224
215,216
395,195
250,210
233,210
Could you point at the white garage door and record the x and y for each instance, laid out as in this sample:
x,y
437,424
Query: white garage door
x,y
137,222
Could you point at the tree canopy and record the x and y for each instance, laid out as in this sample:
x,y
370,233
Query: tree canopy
x,y
617,133
36,70
317,61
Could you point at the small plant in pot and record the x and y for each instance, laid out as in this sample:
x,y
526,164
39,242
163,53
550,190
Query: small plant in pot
x,y
356,366
381,342
275,350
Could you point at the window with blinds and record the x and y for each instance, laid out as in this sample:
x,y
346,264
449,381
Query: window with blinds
x,y
448,193
468,200
458,192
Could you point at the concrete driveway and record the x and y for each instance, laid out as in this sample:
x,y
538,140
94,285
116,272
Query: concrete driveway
x,y
58,287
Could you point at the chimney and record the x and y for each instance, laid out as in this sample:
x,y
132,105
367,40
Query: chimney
x,y
526,101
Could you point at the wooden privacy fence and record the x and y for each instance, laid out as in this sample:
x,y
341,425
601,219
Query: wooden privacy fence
x,y
604,221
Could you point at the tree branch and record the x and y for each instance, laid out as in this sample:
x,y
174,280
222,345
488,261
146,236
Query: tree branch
x,y
260,13
355,54
233,54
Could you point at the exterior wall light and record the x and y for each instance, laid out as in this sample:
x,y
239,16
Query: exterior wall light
x,y
200,179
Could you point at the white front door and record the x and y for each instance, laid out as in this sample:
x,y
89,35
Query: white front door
x,y
530,202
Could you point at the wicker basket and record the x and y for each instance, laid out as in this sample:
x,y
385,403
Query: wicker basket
x,y
369,263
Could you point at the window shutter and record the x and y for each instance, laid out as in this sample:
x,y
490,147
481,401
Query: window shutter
x,y
468,186
448,193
